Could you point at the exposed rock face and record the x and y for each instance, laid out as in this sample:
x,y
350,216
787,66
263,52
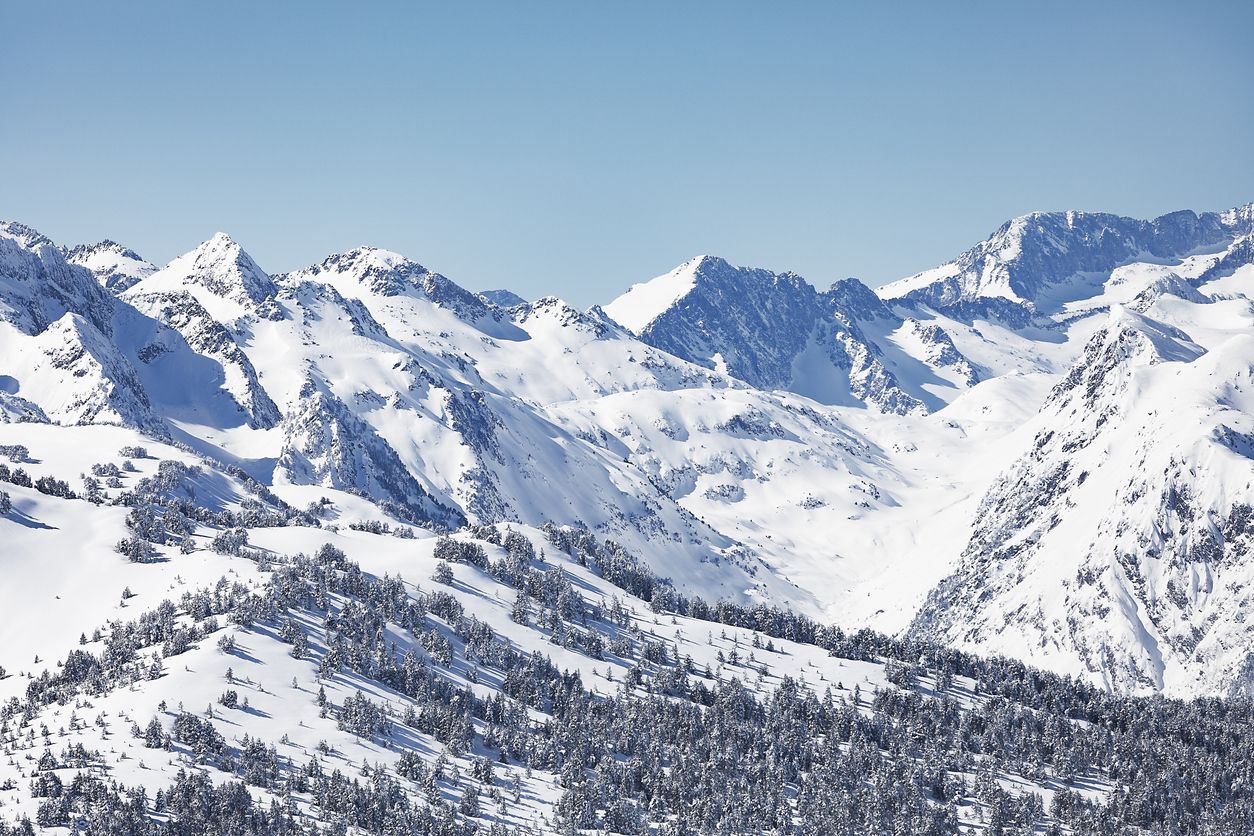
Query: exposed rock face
x,y
324,443
86,379
773,330
502,298
1121,538
38,286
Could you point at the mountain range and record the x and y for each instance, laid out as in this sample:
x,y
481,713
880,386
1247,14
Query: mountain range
x,y
727,554
1041,448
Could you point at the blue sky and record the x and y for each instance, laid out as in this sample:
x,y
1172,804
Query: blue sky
x,y
576,148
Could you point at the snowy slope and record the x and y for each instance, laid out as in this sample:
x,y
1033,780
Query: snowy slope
x,y
77,375
1118,543
203,620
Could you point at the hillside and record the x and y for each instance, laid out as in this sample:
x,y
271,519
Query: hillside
x,y
281,669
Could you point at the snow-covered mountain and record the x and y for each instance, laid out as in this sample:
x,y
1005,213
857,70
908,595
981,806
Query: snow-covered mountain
x,y
116,267
1046,259
229,488
891,459
40,285
1118,543
502,298
776,331
259,668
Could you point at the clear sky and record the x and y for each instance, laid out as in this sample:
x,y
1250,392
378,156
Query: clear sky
x,y
576,148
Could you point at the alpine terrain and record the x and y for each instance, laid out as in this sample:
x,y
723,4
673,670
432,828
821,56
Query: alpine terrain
x,y
352,549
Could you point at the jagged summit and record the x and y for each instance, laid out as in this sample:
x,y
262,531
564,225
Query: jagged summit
x,y
1046,259
29,237
776,331
107,245
117,267
750,322
565,315
222,276
502,298
645,302
368,269
1239,217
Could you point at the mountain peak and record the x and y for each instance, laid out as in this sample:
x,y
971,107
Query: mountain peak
x,y
646,301
378,258
221,249
106,245
221,267
706,262
366,271
28,237
1128,341
1240,216
1046,259
748,322
502,298
115,266
1164,342
373,269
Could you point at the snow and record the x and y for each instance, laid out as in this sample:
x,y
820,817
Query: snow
x,y
1174,383
218,273
1063,482
850,493
815,378
926,278
80,584
642,303
117,267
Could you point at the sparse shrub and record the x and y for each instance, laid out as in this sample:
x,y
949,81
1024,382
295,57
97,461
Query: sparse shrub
x,y
232,541
15,452
136,550
443,573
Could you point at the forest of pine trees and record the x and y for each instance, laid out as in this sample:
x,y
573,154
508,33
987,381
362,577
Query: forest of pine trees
x,y
674,750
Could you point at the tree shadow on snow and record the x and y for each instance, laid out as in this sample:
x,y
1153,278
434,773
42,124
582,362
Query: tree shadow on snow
x,y
29,521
